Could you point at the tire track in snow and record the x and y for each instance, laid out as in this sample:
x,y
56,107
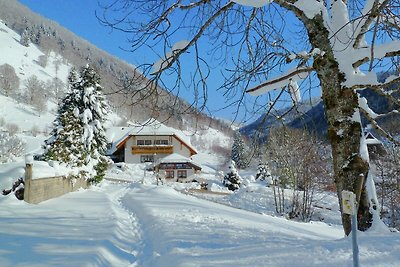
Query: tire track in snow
x,y
128,234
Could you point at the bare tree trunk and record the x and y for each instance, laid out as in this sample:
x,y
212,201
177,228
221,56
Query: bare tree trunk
x,y
341,105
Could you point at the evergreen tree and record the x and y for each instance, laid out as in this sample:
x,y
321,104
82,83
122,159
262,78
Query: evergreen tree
x,y
232,180
78,137
263,173
238,154
25,37
65,144
93,112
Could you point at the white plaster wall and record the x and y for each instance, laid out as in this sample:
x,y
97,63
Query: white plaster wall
x,y
129,157
178,148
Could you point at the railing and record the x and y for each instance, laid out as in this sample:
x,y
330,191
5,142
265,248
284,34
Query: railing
x,y
152,149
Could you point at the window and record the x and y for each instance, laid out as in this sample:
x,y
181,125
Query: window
x,y
146,158
164,142
147,142
140,142
169,174
161,142
182,174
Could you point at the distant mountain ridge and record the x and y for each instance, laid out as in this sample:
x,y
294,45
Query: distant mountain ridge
x,y
308,114
311,117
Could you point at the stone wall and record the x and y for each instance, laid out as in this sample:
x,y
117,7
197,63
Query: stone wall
x,y
38,190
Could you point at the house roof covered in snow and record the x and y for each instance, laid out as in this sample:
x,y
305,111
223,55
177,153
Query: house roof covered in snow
x,y
119,135
177,158
371,139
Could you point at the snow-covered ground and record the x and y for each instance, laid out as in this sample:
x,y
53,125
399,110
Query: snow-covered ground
x,y
132,224
137,223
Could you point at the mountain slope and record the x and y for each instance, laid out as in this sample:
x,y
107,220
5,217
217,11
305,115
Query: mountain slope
x,y
60,45
309,115
117,75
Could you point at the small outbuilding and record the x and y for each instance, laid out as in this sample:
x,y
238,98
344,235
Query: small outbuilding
x,y
177,167
375,146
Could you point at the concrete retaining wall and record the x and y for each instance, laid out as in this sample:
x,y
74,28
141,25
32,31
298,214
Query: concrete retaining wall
x,y
38,190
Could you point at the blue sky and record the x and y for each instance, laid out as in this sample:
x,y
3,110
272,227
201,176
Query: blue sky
x,y
79,17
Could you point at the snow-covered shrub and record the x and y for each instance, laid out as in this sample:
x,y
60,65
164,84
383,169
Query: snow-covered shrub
x,y
263,173
232,179
10,147
9,81
387,182
35,130
42,60
12,129
300,164
2,122
35,94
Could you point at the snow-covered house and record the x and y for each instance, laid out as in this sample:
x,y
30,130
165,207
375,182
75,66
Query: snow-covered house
x,y
375,146
147,142
177,167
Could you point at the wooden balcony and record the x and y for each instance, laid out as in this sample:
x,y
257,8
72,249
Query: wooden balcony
x,y
137,150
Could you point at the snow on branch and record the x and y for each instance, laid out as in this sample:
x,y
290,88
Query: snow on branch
x,y
372,9
280,82
391,21
164,63
253,3
303,55
310,8
393,79
379,128
363,55
363,104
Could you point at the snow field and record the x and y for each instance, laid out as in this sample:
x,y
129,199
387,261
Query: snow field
x,y
85,228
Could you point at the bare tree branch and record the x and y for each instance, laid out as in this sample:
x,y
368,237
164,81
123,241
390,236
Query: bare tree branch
x,y
281,78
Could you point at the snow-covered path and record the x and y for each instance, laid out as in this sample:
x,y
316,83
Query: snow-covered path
x,y
144,225
85,228
184,231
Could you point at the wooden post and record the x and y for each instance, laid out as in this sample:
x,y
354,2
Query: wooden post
x,y
28,177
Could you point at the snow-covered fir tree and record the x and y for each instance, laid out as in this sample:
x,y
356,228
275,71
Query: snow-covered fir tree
x,y
78,137
263,173
232,179
239,155
25,37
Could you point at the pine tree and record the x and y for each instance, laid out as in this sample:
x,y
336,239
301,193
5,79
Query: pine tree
x,y
238,154
93,113
78,137
263,173
25,37
64,145
232,180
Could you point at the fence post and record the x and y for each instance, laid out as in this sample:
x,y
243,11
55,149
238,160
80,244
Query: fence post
x,y
28,177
